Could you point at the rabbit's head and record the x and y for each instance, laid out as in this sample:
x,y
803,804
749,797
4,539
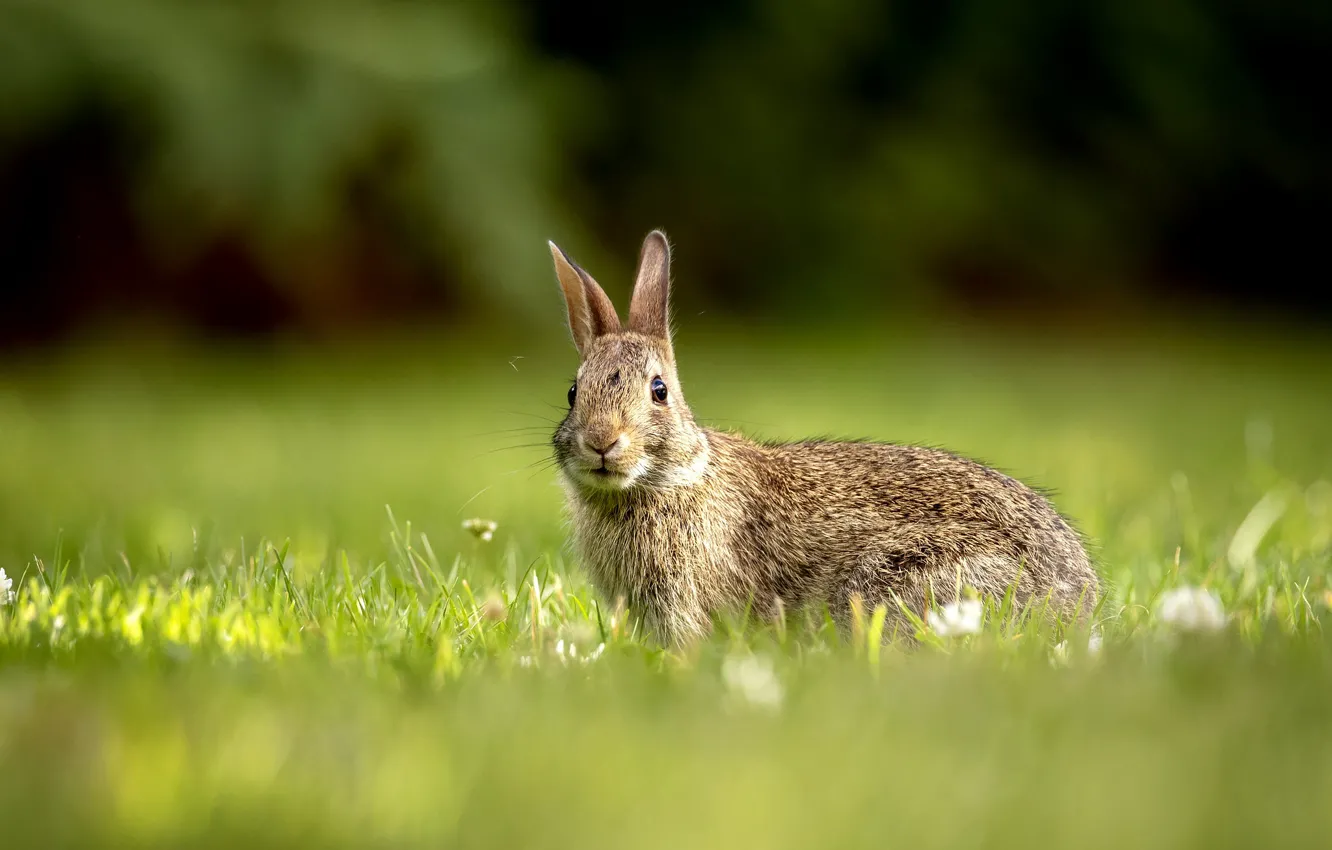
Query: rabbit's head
x,y
628,424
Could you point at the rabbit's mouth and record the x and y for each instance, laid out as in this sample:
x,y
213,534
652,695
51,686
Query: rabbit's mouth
x,y
612,476
608,475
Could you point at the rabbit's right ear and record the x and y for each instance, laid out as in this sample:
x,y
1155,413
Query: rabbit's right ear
x,y
650,310
591,313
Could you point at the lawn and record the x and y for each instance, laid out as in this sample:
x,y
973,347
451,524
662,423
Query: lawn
x,y
246,608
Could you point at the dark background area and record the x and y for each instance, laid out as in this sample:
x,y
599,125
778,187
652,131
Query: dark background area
x,y
247,167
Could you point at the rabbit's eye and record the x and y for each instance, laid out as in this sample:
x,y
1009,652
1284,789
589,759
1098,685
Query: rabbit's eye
x,y
573,394
659,390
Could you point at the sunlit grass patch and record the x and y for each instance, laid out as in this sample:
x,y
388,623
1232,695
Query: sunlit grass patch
x,y
414,615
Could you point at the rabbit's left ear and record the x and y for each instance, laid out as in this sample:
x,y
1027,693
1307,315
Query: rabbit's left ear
x,y
591,313
649,312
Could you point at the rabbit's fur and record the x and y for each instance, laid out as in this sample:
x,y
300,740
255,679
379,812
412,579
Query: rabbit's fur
x,y
683,522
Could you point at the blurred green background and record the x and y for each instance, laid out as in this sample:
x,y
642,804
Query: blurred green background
x,y
328,166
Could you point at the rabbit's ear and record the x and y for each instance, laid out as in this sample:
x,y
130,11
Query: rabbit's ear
x,y
649,312
591,313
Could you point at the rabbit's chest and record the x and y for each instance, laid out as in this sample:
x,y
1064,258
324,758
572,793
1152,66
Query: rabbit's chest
x,y
629,551
638,553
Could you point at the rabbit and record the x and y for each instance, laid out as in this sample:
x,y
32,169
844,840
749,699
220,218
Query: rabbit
x,y
684,523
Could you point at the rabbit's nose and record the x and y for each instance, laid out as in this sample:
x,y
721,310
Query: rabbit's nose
x,y
604,444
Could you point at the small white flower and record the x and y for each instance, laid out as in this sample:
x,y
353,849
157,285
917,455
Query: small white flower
x,y
1192,609
567,651
1059,653
481,529
753,680
1094,642
587,657
6,583
956,618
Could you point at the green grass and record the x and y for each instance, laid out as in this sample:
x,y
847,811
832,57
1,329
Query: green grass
x,y
220,633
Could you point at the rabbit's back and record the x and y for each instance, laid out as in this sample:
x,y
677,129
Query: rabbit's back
x,y
878,519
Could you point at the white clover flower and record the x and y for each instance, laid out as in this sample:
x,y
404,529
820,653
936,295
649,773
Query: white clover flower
x,y
6,585
1059,653
481,529
569,652
1094,642
752,680
956,618
1192,609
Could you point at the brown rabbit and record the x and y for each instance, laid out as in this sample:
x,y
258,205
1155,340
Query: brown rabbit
x,y
684,522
